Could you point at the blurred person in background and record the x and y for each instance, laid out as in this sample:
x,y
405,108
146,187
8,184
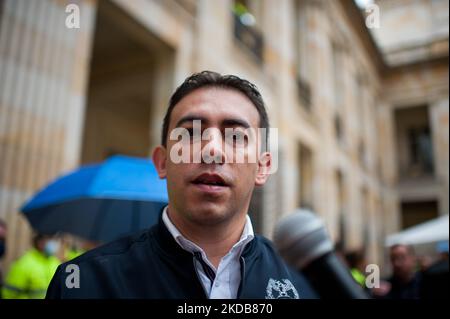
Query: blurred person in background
x,y
2,250
435,278
30,275
357,264
405,281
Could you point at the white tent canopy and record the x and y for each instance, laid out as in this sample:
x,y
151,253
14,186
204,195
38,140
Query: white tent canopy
x,y
431,231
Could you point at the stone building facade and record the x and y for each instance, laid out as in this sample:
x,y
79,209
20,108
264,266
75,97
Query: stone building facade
x,y
342,97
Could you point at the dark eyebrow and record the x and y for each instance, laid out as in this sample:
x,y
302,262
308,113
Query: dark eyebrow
x,y
227,122
235,122
190,118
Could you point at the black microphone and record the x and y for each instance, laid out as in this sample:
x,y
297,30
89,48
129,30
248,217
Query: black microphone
x,y
302,241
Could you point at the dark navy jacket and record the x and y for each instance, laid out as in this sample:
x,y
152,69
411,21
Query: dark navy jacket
x,y
151,264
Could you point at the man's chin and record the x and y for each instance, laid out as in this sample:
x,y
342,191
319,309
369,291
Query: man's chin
x,y
210,214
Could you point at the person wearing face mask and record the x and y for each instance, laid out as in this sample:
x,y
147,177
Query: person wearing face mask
x,y
30,275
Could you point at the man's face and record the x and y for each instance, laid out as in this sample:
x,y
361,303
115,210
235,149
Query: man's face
x,y
403,261
211,193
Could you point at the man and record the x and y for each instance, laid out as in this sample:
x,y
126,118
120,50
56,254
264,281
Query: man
x,y
30,275
203,245
405,281
357,264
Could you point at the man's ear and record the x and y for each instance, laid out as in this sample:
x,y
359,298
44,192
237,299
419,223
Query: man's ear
x,y
264,165
159,158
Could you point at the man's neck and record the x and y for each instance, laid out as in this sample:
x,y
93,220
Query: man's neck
x,y
216,240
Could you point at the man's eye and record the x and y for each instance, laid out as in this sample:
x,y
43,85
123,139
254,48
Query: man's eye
x,y
237,138
193,138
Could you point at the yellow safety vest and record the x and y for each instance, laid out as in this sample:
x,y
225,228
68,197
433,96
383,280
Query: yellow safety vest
x,y
358,276
29,276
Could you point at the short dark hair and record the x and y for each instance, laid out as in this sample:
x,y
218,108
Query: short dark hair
x,y
39,237
354,258
410,249
214,79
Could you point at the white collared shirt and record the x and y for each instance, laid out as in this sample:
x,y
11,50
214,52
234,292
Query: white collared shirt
x,y
228,274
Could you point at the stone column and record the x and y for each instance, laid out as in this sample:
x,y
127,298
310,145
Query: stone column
x,y
43,72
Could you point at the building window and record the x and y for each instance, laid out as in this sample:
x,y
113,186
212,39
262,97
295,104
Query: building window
x,y
338,129
341,195
246,31
414,142
362,154
300,26
421,149
414,213
304,92
360,99
342,233
338,76
306,178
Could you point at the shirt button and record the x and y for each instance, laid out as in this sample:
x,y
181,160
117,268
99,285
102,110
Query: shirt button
x,y
216,284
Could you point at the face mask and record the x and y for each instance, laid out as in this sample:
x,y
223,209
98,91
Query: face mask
x,y
2,247
51,247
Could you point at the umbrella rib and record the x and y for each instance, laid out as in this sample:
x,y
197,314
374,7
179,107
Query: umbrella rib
x,y
97,225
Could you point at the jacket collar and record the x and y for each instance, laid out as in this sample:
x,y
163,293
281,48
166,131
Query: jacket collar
x,y
165,240
168,245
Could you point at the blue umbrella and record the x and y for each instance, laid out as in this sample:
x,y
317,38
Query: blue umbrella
x,y
100,202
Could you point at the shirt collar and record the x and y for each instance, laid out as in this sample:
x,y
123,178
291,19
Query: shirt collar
x,y
186,244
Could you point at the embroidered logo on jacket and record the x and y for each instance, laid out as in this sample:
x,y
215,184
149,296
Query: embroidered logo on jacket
x,y
283,289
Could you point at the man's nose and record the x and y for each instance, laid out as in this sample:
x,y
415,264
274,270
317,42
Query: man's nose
x,y
213,148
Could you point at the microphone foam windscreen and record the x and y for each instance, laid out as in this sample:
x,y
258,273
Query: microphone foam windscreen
x,y
301,238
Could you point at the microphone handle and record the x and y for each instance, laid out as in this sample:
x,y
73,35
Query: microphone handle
x,y
332,280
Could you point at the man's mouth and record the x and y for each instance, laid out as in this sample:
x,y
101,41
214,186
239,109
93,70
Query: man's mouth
x,y
210,182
